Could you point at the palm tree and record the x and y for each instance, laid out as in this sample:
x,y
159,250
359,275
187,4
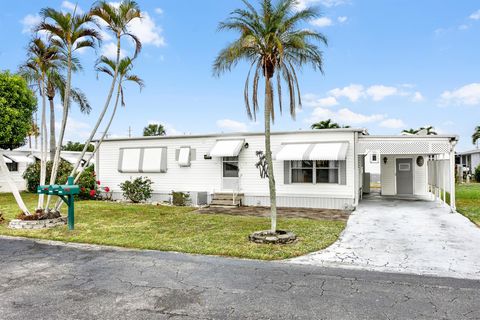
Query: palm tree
x,y
410,131
42,57
327,124
108,66
117,18
476,135
34,132
69,32
154,129
430,130
274,42
56,84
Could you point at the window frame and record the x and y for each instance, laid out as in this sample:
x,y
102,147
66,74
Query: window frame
x,y
314,169
230,160
13,166
374,160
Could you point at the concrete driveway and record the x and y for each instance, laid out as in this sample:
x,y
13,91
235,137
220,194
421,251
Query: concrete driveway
x,y
419,237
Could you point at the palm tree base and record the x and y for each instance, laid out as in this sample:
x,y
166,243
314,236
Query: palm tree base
x,y
268,237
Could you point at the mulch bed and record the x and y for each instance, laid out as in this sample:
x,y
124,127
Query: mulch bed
x,y
307,213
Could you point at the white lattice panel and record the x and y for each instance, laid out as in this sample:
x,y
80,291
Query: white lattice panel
x,y
404,147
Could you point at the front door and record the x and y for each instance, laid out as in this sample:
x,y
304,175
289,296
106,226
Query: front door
x,y
404,176
230,174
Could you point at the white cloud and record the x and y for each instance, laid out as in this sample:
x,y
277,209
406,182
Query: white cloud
x,y
29,22
475,15
417,96
342,19
345,116
159,11
322,22
71,7
353,92
232,125
76,130
467,95
463,27
302,4
147,31
110,51
380,92
311,100
392,124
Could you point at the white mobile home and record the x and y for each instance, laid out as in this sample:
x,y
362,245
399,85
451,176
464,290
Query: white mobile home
x,y
317,169
18,160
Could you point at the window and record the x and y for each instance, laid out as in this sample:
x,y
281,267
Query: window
x,y
13,166
143,160
315,171
302,171
374,157
230,167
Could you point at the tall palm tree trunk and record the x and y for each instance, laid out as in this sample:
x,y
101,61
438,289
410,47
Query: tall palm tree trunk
x,y
104,134
268,153
102,114
52,129
66,101
43,144
13,187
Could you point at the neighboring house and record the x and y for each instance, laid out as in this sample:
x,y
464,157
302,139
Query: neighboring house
x,y
372,166
469,159
316,169
18,160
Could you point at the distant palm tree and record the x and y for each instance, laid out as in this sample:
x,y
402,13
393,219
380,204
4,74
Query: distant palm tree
x,y
410,131
34,132
42,58
327,124
154,129
476,135
274,41
69,32
117,19
429,129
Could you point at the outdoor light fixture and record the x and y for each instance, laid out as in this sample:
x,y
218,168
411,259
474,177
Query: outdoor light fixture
x,y
207,157
385,159
246,145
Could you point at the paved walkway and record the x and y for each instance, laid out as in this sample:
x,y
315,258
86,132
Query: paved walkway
x,y
419,237
44,280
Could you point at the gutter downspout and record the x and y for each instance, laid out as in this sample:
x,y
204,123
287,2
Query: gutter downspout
x,y
356,173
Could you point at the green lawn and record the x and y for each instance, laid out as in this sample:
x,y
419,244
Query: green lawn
x,y
176,229
468,201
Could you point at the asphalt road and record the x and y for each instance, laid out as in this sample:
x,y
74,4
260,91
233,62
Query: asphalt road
x,y
53,281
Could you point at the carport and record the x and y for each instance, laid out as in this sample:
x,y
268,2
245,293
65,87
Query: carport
x,y
413,166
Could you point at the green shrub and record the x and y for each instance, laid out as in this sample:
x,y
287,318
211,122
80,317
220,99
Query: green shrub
x,y
87,181
477,174
180,199
137,190
32,174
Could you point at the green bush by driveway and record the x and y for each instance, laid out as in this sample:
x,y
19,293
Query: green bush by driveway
x,y
468,201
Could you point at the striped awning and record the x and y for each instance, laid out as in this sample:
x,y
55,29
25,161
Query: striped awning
x,y
313,151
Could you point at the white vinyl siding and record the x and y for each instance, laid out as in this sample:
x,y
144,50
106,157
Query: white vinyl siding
x,y
206,174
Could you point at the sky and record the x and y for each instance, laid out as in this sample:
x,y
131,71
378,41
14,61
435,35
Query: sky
x,y
388,66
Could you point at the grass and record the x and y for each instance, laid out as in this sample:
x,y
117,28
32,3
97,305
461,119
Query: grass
x,y
176,229
468,201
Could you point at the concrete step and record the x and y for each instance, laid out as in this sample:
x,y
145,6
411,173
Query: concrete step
x,y
227,202
226,196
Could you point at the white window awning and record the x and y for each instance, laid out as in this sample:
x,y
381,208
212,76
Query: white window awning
x,y
21,159
313,151
184,157
227,148
70,158
7,160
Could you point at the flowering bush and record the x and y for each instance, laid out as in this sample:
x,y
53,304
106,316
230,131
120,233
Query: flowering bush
x,y
137,190
88,184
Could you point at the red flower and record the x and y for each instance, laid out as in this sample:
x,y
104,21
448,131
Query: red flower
x,y
98,182
82,189
92,193
107,189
